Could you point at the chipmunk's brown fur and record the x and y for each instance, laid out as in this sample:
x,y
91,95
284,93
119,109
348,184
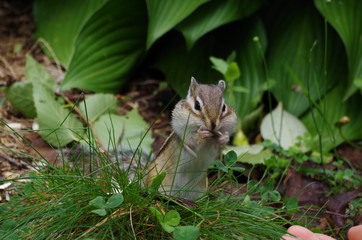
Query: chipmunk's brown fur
x,y
202,125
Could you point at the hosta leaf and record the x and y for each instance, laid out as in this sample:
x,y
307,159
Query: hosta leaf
x,y
345,16
164,15
321,122
34,72
108,129
297,60
213,15
282,128
135,129
59,22
20,95
108,47
249,57
97,105
252,154
194,63
57,125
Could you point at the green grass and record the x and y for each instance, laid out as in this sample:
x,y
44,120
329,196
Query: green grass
x,y
54,204
59,203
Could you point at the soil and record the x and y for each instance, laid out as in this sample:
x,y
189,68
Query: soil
x,y
18,158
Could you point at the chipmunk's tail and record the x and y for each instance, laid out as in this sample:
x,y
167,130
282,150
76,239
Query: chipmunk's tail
x,y
133,163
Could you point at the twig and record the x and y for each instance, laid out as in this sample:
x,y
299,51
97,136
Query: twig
x,y
217,218
51,51
130,219
337,214
14,162
13,74
114,214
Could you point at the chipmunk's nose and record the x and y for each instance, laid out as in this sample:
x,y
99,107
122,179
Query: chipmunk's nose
x,y
213,125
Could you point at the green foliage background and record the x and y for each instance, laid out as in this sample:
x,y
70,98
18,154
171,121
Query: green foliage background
x,y
308,54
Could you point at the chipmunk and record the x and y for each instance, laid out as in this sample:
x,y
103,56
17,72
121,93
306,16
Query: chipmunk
x,y
202,124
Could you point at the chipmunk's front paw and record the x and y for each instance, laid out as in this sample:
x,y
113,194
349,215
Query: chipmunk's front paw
x,y
223,138
204,133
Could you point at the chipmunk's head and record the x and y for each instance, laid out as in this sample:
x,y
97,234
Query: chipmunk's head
x,y
206,104
204,108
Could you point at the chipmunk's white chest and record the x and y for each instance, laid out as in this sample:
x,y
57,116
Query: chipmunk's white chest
x,y
192,170
206,154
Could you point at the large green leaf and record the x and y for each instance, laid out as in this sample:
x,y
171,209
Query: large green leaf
x,y
282,128
345,16
249,56
213,15
243,69
164,15
109,129
59,22
108,47
20,95
130,129
34,72
321,122
97,105
57,125
136,132
297,59
179,65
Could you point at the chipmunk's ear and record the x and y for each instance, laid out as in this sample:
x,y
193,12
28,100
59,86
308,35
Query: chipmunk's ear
x,y
221,85
192,87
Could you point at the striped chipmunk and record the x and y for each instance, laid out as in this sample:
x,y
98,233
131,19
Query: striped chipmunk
x,y
202,124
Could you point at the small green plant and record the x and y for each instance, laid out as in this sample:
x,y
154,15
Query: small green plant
x,y
231,72
168,221
343,177
230,159
102,207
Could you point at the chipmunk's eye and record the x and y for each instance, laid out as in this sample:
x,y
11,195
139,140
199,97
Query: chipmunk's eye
x,y
223,108
197,106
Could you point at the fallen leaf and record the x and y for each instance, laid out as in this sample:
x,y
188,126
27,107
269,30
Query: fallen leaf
x,y
282,128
